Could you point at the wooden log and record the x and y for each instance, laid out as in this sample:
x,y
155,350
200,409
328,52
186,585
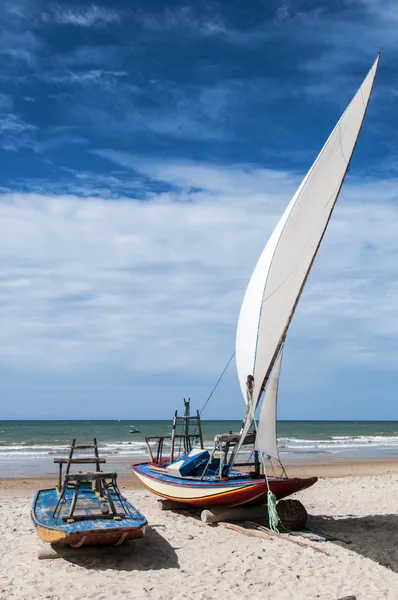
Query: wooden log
x,y
172,505
238,513
52,551
48,552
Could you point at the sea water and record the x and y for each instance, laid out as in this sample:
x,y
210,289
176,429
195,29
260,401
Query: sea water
x,y
28,448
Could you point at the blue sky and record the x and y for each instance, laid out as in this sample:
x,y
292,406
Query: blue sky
x,y
147,151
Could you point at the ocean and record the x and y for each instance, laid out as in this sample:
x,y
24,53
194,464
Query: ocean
x,y
27,448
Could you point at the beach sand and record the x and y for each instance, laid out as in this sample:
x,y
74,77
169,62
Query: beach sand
x,y
182,558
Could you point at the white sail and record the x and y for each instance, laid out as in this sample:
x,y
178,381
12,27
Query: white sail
x,y
281,272
266,441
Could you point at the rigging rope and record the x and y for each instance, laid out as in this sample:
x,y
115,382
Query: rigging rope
x,y
217,382
273,517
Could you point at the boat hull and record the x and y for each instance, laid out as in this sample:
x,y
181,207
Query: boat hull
x,y
84,532
236,491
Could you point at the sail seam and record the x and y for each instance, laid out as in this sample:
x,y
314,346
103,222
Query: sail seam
x,y
341,148
363,101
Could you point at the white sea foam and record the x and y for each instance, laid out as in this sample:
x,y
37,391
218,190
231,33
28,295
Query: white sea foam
x,y
287,445
337,444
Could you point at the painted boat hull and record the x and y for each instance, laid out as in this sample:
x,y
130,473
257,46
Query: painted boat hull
x,y
238,490
86,532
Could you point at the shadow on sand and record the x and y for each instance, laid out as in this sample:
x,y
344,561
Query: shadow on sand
x,y
373,536
150,553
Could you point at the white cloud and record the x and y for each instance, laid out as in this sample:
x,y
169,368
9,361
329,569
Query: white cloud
x,y
156,285
15,133
185,18
88,16
84,77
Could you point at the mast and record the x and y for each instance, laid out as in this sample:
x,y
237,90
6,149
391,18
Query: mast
x,y
187,444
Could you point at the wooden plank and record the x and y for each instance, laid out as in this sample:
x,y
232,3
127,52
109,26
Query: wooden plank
x,y
83,446
200,429
149,449
79,461
70,456
97,483
60,478
173,436
89,476
99,516
73,503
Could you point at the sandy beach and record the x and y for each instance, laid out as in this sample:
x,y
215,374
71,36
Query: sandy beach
x,y
182,558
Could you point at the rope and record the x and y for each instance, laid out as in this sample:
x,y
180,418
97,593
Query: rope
x,y
217,382
273,516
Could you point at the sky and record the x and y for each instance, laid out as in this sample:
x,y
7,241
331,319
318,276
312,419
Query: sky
x,y
147,152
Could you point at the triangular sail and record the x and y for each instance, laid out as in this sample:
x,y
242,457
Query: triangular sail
x,y
281,272
266,441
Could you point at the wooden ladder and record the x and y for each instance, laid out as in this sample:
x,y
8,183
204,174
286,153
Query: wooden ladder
x,y
186,436
81,460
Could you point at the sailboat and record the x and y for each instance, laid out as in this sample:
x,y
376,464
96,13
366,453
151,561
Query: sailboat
x,y
205,478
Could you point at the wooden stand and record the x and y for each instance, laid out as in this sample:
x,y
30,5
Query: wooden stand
x,y
186,438
95,460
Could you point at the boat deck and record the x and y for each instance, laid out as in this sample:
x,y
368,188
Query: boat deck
x,y
88,504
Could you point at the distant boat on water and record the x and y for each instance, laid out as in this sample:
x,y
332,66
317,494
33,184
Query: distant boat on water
x,y
134,429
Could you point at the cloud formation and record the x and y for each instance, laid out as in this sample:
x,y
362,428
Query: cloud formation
x,y
147,154
85,16
156,285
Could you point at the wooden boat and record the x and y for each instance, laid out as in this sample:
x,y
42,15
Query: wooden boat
x,y
86,508
235,490
208,479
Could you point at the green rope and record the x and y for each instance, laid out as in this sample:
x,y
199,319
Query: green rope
x,y
273,516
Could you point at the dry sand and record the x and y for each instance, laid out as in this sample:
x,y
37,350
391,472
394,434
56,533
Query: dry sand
x,y
182,558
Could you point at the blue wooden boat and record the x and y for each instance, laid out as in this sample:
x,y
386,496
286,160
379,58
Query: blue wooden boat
x,y
85,508
80,515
